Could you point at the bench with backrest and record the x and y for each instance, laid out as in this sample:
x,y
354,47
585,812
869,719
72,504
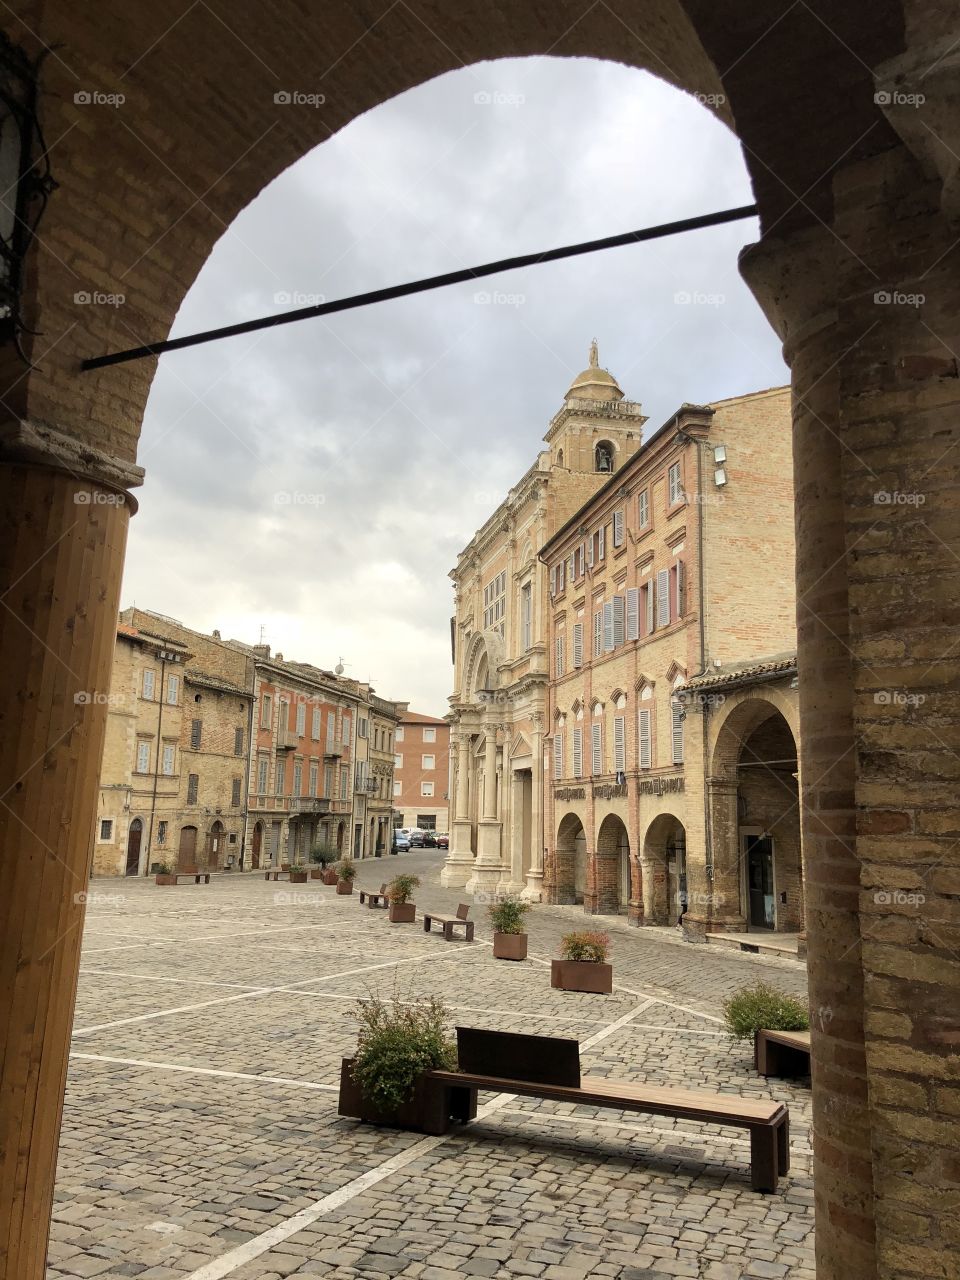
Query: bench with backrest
x,y
276,875
781,1053
549,1067
449,923
198,877
372,899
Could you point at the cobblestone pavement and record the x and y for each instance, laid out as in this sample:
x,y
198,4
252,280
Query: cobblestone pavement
x,y
201,1141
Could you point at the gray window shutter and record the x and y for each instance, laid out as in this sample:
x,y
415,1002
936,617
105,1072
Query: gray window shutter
x,y
578,752
578,644
553,580
561,575
619,743
681,585
676,710
643,738
649,609
590,552
663,598
601,548
633,613
558,754
618,528
618,621
608,626
598,633
597,761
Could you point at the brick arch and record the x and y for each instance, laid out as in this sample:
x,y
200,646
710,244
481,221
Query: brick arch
x,y
569,859
739,716
613,844
664,834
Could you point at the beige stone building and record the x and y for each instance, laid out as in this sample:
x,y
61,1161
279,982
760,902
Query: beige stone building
x,y
499,706
673,722
384,720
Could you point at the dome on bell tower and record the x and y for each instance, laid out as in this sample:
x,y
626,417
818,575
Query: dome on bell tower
x,y
594,383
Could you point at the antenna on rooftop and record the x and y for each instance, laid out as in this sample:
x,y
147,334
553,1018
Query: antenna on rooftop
x,y
263,632
339,668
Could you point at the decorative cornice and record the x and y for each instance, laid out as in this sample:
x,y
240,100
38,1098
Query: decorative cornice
x,y
39,444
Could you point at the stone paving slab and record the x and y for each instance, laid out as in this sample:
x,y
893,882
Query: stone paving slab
x,y
163,1171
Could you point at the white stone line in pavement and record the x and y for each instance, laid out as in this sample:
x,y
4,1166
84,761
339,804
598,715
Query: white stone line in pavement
x,y
156,977
225,1265
210,937
205,1071
266,991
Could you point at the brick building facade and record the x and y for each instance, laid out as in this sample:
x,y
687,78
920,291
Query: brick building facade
x,y
421,774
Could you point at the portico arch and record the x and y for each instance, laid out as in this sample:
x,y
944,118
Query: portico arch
x,y
664,869
571,860
612,876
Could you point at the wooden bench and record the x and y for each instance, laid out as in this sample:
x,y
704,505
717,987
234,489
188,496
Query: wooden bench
x,y
198,877
549,1067
781,1053
449,923
375,899
276,875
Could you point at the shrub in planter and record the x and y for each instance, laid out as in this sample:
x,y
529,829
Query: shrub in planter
x,y
345,873
399,891
321,855
164,873
751,1008
583,964
397,1043
509,938
299,873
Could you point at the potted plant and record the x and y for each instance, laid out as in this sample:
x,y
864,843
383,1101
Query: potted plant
x,y
345,874
298,873
321,855
763,1008
509,939
583,964
398,1042
164,873
402,910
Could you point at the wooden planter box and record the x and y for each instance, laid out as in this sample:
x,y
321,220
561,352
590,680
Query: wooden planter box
x,y
344,886
298,877
329,876
402,912
509,946
316,873
285,866
430,1110
164,879
582,975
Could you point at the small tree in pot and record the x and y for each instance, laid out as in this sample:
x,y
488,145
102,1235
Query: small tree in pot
x,y
583,964
321,855
399,891
345,873
397,1043
164,873
509,938
299,873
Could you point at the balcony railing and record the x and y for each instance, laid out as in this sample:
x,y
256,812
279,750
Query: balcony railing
x,y
310,804
333,749
286,739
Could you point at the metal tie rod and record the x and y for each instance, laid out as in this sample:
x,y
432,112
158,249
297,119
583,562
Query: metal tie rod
x,y
423,286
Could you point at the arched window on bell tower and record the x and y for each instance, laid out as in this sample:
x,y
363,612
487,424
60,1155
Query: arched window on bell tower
x,y
603,456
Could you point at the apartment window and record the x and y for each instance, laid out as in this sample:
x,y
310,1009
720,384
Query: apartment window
x,y
235,793
679,584
283,715
644,738
596,747
301,719
494,602
396,787
345,730
559,645
398,762
315,724
106,828
331,729
314,777
297,777
162,831
598,633
344,782
632,614
148,678
266,711
429,735
674,485
558,754
618,538
426,788
238,742
196,731
263,768
596,546
619,743
143,757
676,716
649,615
643,508
193,787
428,762
578,644
169,757
526,615
613,623
361,728
578,751
328,780
399,734
173,689
663,598
281,777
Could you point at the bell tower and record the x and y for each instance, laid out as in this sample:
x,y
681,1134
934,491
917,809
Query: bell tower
x,y
597,429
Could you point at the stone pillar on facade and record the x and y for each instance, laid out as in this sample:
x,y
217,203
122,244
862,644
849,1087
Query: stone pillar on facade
x,y
488,865
459,861
534,887
64,514
714,881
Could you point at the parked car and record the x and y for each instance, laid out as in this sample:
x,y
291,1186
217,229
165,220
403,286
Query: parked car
x,y
401,841
443,840
416,839
429,839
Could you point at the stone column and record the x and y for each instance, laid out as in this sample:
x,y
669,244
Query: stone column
x,y
63,525
488,865
795,281
720,910
534,890
459,861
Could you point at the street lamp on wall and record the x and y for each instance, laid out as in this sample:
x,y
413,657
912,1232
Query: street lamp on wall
x,y
25,180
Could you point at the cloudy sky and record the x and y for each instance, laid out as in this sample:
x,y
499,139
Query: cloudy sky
x,y
317,482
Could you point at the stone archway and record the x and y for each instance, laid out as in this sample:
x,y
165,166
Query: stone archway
x,y
570,877
664,869
612,872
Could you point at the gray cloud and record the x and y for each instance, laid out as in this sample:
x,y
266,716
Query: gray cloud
x,y
319,479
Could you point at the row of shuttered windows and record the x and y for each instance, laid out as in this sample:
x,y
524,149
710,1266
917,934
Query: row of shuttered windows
x,y
263,778
620,755
635,615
